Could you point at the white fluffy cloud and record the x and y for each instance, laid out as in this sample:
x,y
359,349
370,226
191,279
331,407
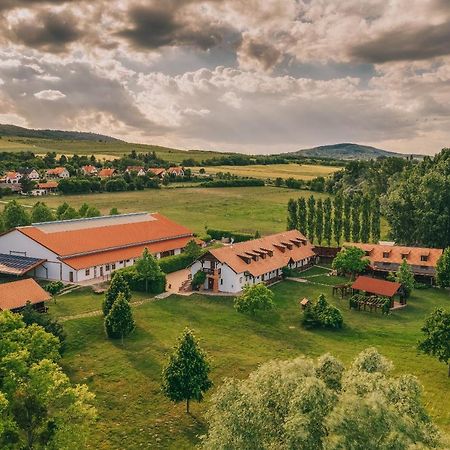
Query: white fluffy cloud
x,y
50,95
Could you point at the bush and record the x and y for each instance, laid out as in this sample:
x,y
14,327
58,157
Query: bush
x,y
55,287
131,276
254,298
198,279
321,314
173,263
238,237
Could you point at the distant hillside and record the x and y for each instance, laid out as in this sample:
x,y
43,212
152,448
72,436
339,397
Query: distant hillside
x,y
346,151
13,130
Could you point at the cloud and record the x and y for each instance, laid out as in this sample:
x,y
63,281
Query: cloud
x,y
254,54
49,95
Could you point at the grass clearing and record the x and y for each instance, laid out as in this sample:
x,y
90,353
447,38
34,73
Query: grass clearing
x,y
134,414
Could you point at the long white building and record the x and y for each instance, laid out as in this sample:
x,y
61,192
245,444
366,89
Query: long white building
x,y
83,249
230,268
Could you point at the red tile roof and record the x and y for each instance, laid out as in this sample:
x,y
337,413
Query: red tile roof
x,y
272,246
376,286
106,173
13,175
157,170
56,171
89,169
17,293
48,185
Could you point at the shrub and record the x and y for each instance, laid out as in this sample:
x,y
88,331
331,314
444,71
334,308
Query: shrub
x,y
198,279
244,182
321,314
173,263
131,276
256,297
238,237
55,287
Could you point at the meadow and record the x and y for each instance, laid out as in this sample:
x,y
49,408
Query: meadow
x,y
134,414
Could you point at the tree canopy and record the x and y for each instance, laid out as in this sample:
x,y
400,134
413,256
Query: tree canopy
x,y
118,285
257,297
119,322
147,268
443,269
350,260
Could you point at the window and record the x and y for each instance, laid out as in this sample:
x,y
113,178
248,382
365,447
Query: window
x,y
424,258
121,262
87,272
386,254
221,281
128,260
240,280
113,266
107,267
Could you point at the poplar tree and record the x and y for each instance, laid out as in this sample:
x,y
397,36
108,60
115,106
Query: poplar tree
x,y
302,216
118,285
119,322
375,222
443,269
356,218
346,218
365,219
337,219
292,214
327,220
186,375
311,217
319,221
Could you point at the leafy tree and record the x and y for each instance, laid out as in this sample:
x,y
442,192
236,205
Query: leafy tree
x,y
257,297
69,214
192,249
350,260
356,218
302,215
83,210
61,210
186,375
114,212
148,269
26,184
375,222
41,213
311,217
14,215
443,269
337,219
405,277
322,314
119,322
319,221
346,218
327,220
292,215
307,404
365,219
437,336
198,279
118,285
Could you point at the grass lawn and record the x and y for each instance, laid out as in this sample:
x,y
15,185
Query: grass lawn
x,y
312,271
294,170
134,414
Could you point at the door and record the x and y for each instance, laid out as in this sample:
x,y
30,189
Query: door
x,y
210,284
71,277
101,271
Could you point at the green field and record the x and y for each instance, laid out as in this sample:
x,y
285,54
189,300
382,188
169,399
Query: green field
x,y
294,170
134,414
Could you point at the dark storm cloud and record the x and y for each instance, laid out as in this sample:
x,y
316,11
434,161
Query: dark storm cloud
x,y
267,55
406,45
48,32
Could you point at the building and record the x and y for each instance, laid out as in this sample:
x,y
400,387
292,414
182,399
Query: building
x,y
157,171
138,170
49,187
31,174
386,257
176,171
106,173
89,170
84,249
58,172
12,177
230,268
16,294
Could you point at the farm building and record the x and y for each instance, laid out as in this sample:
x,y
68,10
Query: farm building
x,y
157,171
30,173
16,294
387,257
138,170
12,177
85,249
230,268
176,171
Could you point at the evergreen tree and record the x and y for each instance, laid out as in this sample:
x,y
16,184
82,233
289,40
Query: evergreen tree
x,y
319,221
311,217
327,221
346,218
118,285
292,215
119,322
83,210
302,216
92,211
405,277
193,250
337,219
375,222
186,375
443,269
41,213
365,219
147,268
356,218
14,215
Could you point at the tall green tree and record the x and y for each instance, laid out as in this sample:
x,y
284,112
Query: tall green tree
x,y
337,218
61,209
292,214
83,210
437,336
347,218
319,221
356,218
375,220
69,214
328,221
193,250
405,276
15,215
119,322
27,184
186,375
302,216
311,217
365,219
443,269
147,268
118,285
41,213
350,260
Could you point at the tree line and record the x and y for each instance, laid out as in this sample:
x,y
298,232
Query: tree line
x,y
354,218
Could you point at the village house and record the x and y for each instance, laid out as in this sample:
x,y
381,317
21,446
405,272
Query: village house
x,y
157,171
386,257
176,171
15,295
106,173
31,174
138,170
49,187
58,172
12,177
89,170
85,249
230,268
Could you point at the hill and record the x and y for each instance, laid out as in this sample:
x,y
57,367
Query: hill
x,y
346,151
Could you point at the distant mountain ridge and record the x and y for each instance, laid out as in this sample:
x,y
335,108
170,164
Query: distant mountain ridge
x,y
13,130
347,151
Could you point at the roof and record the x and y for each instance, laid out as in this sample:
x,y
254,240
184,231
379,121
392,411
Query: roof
x,y
134,168
26,170
89,168
18,265
12,175
398,252
157,170
268,253
376,286
48,185
106,172
175,170
92,235
56,171
17,293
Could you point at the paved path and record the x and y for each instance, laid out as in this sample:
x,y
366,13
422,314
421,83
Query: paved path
x,y
176,279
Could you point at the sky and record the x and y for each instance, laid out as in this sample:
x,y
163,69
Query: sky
x,y
252,76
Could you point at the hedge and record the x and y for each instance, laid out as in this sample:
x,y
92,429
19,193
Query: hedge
x,y
131,277
238,237
233,183
173,263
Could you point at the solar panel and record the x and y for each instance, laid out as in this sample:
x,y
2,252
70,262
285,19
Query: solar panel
x,y
17,265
